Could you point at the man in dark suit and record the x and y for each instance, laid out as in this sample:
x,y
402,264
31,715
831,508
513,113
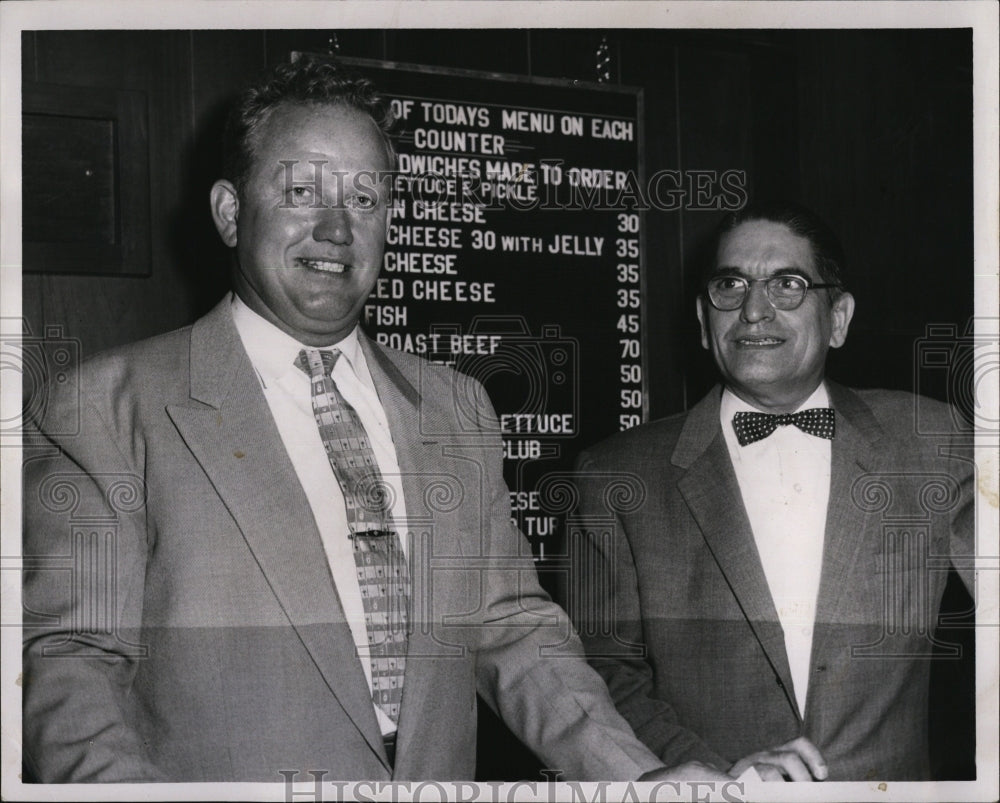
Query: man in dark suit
x,y
290,549
766,594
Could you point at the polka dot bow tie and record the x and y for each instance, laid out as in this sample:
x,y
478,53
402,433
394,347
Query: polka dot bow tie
x,y
752,427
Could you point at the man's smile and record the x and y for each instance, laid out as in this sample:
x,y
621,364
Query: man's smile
x,y
758,341
322,265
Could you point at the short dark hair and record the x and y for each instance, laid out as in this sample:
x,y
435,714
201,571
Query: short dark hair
x,y
308,80
827,250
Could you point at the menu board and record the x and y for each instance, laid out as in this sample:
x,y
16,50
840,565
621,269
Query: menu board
x,y
516,255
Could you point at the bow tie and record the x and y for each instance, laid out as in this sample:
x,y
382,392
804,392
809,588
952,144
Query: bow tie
x,y
751,427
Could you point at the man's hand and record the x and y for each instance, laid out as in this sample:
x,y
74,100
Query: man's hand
x,y
797,760
690,771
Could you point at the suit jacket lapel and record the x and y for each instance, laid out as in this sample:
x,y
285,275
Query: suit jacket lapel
x,y
712,493
854,452
229,429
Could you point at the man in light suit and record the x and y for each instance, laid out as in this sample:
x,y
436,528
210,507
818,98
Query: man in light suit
x,y
766,592
196,606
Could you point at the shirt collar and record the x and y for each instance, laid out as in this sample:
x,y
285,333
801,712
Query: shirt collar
x,y
273,351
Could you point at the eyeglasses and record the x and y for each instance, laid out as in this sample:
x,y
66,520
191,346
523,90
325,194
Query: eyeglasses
x,y
785,292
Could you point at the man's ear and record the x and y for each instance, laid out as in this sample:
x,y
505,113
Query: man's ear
x,y
703,320
841,311
225,210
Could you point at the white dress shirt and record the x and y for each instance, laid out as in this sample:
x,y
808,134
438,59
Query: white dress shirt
x,y
288,393
785,483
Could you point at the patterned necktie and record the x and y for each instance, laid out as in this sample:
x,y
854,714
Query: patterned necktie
x,y
752,427
383,575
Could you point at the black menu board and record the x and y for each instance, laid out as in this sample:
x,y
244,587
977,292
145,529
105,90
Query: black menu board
x,y
516,255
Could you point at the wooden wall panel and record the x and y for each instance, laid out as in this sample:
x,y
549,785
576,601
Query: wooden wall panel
x,y
367,43
221,63
488,50
102,311
735,112
886,154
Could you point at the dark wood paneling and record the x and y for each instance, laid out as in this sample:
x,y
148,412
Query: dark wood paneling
x,y
714,106
567,53
357,42
488,50
28,71
122,59
886,156
85,168
68,169
222,62
101,311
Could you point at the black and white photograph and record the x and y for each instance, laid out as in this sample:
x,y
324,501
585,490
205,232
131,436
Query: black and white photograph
x,y
500,401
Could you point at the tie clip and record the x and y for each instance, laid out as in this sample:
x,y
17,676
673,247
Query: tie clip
x,y
373,534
